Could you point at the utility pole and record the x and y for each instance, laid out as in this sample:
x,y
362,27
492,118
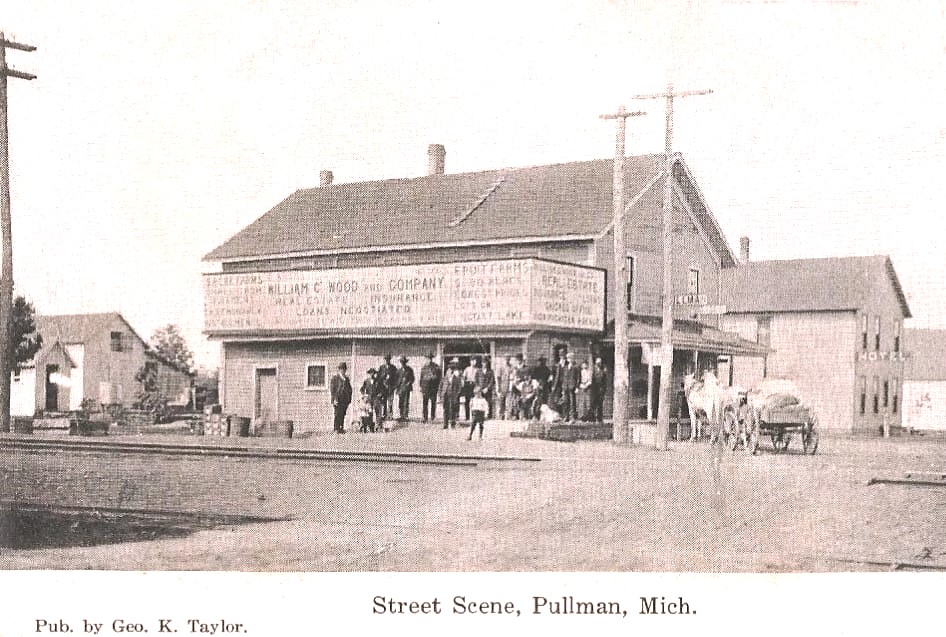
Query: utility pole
x,y
6,237
666,332
619,409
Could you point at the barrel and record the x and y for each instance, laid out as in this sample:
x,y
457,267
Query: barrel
x,y
22,425
239,426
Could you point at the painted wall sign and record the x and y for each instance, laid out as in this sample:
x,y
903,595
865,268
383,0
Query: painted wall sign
x,y
691,299
503,293
882,356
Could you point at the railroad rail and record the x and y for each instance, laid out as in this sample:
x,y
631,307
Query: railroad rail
x,y
232,451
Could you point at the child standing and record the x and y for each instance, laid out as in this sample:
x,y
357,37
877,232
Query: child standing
x,y
479,406
366,412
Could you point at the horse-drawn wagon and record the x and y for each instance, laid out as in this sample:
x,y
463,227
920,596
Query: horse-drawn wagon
x,y
777,411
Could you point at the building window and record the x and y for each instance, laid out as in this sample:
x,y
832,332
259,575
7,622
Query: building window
x,y
630,284
876,392
897,326
315,376
896,395
764,330
877,334
886,393
117,345
864,332
693,281
863,395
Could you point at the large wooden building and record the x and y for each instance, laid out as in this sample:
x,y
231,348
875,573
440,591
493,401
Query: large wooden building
x,y
496,262
834,326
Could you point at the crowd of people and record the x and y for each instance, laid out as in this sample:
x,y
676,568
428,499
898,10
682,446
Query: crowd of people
x,y
567,390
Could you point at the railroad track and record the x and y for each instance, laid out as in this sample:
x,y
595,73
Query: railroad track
x,y
233,451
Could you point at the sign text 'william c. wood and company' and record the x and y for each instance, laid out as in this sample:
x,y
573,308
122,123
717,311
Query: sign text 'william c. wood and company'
x,y
499,293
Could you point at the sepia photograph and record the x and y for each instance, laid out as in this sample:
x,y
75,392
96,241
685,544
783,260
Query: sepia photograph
x,y
615,286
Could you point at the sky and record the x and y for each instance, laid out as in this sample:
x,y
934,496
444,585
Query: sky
x,y
154,133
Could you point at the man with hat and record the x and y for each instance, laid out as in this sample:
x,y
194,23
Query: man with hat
x,y
341,391
405,385
387,383
451,385
430,375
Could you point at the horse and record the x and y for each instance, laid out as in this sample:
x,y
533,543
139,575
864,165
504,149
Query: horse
x,y
713,405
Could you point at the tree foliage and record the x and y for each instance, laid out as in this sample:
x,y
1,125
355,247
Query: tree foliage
x,y
170,345
26,340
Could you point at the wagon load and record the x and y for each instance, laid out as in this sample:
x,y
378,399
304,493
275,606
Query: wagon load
x,y
781,411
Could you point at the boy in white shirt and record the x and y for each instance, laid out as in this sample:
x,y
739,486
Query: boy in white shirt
x,y
478,406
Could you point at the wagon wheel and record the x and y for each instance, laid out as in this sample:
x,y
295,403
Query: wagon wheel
x,y
810,439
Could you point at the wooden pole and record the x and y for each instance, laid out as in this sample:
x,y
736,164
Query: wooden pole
x,y
666,332
6,236
620,430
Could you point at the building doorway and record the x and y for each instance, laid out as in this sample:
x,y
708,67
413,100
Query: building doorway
x,y
266,394
52,389
465,351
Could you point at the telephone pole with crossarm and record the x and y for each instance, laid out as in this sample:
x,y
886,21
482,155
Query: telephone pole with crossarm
x,y
666,332
6,237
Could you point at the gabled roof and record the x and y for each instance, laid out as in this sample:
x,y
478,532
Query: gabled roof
x,y
807,285
926,354
558,201
79,328
45,351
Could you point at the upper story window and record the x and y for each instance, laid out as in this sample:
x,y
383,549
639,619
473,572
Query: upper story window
x,y
693,281
877,333
864,321
630,284
117,342
764,330
897,326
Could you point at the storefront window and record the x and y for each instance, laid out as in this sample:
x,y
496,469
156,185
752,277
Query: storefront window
x,y
886,393
876,388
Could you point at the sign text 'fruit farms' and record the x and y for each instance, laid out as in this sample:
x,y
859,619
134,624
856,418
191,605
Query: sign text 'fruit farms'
x,y
500,293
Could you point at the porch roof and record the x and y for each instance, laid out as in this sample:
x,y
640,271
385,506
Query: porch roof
x,y
687,335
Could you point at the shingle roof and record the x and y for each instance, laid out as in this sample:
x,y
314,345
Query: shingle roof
x,y
558,200
926,350
77,328
807,285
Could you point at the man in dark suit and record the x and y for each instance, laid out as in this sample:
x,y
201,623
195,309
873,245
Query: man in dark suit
x,y
570,382
405,385
387,383
451,385
340,388
429,385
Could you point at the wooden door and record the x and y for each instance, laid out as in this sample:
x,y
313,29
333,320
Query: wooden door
x,y
266,394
